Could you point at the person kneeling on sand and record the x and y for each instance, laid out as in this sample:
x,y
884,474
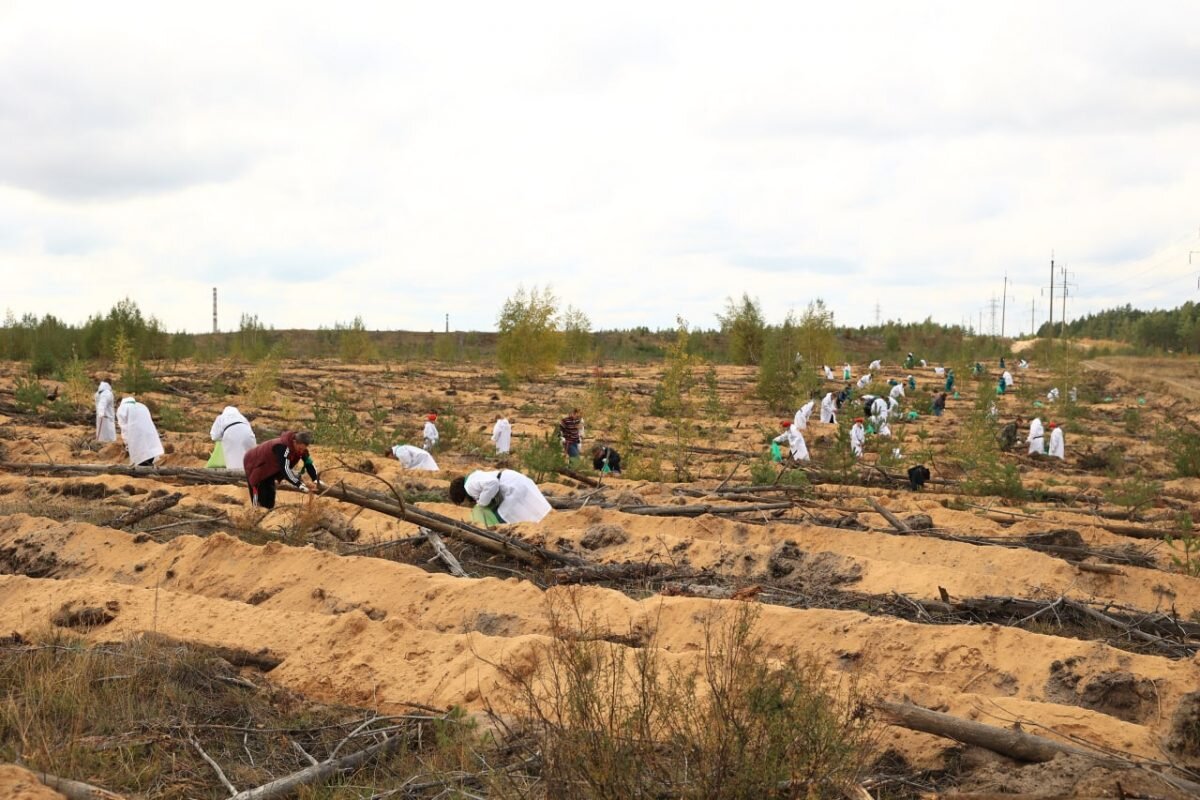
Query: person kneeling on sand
x,y
500,496
277,460
413,457
605,460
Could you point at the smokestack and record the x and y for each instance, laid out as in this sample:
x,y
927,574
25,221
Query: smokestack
x,y
214,309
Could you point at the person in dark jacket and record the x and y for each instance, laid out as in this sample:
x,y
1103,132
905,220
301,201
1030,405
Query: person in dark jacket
x,y
917,477
279,460
939,404
605,459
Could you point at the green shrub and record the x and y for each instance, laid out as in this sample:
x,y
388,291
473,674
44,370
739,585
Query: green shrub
x,y
974,449
1188,548
543,456
1183,447
169,417
30,395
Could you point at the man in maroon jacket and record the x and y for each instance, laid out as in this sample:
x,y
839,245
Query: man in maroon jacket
x,y
278,460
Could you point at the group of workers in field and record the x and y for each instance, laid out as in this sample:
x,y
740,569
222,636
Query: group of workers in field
x,y
505,495
499,495
879,410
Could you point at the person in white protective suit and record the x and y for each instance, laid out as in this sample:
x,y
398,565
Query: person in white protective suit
x,y
829,408
138,433
1037,444
1008,380
502,434
106,414
1057,448
858,437
876,364
233,431
828,373
794,439
896,391
414,457
864,380
800,421
430,432
509,494
1052,395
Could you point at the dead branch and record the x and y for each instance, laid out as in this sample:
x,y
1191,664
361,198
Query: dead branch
x,y
145,509
311,774
216,767
442,552
892,519
76,790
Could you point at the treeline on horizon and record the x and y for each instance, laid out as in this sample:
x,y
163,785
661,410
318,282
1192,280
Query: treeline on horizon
x,y
124,332
1174,330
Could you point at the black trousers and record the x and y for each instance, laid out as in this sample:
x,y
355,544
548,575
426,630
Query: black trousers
x,y
263,495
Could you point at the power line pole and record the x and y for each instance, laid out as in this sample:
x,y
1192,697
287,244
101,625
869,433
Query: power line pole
x,y
214,309
992,306
1003,305
447,323
1064,275
1032,315
1051,294
878,315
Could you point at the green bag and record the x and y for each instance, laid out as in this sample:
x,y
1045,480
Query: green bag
x,y
485,516
776,453
217,459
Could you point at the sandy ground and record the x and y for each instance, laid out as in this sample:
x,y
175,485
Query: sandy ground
x,y
369,630
20,784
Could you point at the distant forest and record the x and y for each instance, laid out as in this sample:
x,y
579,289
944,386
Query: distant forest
x,y
124,334
1176,330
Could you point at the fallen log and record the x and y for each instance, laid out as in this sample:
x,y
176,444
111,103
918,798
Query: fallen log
x,y
145,509
892,519
1122,529
1010,742
578,476
76,790
391,506
1006,741
448,526
692,510
188,474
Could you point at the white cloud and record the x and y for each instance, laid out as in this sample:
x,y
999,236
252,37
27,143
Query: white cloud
x,y
403,161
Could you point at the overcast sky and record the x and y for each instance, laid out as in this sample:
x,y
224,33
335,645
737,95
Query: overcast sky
x,y
400,161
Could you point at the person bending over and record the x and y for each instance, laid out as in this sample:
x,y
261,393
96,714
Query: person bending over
x,y
500,496
279,460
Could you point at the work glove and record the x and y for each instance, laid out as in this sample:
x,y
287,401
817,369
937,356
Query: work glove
x,y
303,488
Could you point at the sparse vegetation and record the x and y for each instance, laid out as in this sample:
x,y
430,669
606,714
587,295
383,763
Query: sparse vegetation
x,y
614,722
1134,494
